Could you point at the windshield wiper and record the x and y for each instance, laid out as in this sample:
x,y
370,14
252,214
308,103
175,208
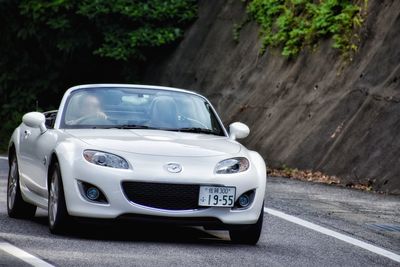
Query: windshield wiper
x,y
186,130
194,130
132,126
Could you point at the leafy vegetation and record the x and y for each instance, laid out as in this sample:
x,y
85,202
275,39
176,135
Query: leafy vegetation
x,y
296,24
48,46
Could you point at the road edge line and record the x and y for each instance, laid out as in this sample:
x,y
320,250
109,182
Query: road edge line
x,y
326,231
23,255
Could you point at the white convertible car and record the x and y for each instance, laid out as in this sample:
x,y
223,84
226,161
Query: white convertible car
x,y
145,153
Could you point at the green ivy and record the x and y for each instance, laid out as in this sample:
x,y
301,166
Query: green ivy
x,y
50,45
295,24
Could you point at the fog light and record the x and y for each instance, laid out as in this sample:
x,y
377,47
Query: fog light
x,y
244,201
92,193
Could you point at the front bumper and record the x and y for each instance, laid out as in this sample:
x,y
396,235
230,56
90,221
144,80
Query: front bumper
x,y
109,181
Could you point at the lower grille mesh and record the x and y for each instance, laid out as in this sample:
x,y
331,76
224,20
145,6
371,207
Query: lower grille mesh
x,y
162,196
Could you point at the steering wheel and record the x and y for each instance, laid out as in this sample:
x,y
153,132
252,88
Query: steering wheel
x,y
91,119
202,125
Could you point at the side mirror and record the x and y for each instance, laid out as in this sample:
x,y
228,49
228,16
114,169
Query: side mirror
x,y
35,120
238,130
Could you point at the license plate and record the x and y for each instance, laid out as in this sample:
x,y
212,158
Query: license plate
x,y
217,196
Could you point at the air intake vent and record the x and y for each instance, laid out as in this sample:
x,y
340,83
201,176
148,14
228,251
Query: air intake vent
x,y
162,196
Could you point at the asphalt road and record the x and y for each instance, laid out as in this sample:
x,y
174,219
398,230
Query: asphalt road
x,y
283,243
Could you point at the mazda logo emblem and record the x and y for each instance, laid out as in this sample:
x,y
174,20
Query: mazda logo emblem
x,y
173,167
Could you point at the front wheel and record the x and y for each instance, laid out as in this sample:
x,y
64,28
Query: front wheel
x,y
247,234
57,210
16,205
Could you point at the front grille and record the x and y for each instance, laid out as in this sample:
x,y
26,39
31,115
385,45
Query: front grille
x,y
162,196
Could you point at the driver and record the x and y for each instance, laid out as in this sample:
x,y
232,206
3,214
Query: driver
x,y
89,107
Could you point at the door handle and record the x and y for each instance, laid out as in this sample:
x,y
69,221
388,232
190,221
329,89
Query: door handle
x,y
27,133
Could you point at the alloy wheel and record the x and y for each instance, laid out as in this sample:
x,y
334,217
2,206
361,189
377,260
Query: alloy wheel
x,y
53,201
12,184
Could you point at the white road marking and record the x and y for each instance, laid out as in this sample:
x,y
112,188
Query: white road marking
x,y
23,255
326,231
377,250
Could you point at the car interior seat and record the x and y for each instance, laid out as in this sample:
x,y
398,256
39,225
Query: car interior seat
x,y
163,112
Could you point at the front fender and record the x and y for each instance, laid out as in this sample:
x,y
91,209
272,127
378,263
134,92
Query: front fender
x,y
259,163
261,168
14,141
67,153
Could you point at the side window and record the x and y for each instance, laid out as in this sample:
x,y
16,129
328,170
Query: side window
x,y
50,118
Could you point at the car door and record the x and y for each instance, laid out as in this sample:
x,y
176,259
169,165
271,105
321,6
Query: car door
x,y
35,151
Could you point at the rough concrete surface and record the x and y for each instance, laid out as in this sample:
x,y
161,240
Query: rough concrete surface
x,y
313,112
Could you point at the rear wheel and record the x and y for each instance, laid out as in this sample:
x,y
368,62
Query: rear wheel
x,y
248,234
57,210
17,207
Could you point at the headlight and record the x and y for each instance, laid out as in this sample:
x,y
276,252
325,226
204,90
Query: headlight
x,y
105,159
233,165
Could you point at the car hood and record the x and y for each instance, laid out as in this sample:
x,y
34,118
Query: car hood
x,y
156,142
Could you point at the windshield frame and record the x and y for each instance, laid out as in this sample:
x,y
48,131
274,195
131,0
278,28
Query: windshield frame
x,y
60,121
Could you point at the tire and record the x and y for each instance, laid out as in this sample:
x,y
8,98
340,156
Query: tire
x,y
57,210
17,207
247,234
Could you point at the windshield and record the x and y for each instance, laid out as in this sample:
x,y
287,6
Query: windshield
x,y
135,108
